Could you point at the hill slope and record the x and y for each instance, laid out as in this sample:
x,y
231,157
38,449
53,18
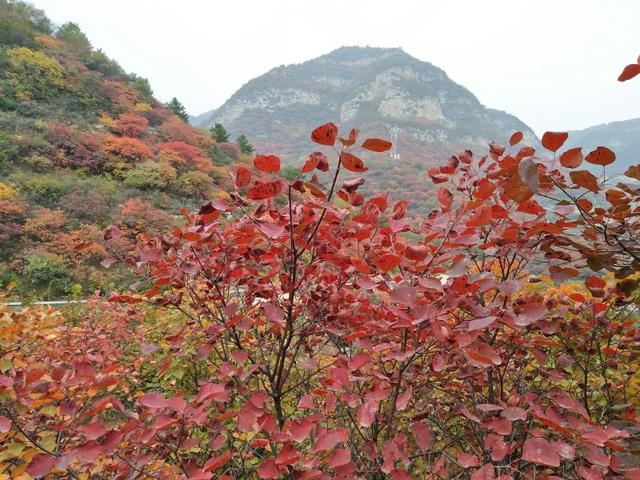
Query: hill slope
x,y
374,89
83,145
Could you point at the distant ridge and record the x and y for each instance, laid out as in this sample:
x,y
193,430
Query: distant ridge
x,y
374,89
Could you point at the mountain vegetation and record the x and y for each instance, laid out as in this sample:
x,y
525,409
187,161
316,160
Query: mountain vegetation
x,y
83,145
289,324
379,89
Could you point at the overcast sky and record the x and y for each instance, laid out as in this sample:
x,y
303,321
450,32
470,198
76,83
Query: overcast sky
x,y
552,63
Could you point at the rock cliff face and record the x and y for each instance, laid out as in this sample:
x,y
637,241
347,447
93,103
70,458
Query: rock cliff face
x,y
373,88
376,90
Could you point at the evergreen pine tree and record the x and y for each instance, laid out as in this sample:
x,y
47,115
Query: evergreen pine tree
x,y
176,107
219,133
244,145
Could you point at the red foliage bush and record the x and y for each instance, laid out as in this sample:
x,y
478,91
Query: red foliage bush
x,y
304,339
131,125
127,148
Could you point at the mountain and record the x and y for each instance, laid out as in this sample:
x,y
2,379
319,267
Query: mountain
x,y
374,89
84,144
622,137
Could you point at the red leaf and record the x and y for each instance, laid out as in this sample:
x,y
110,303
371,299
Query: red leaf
x,y
400,209
41,465
486,472
325,134
445,198
274,312
310,164
300,429
629,72
516,190
353,135
267,163
88,452
367,413
540,451
268,469
552,141
217,462
5,424
288,455
481,217
262,191
340,457
484,189
243,177
479,323
150,255
422,435
387,261
91,431
215,391
482,355
404,398
152,400
376,145
585,179
404,295
595,285
516,138
468,460
271,230
352,163
530,313
601,156
572,158
108,262
328,440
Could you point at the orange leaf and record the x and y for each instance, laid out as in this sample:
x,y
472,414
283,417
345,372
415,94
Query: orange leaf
x,y
585,179
445,198
353,134
515,138
376,144
325,134
552,141
387,261
572,158
481,217
352,163
262,191
516,190
243,177
629,72
601,156
267,163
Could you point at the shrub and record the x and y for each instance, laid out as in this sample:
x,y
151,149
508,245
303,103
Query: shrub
x,y
195,184
150,175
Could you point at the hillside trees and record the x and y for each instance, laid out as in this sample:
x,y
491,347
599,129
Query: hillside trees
x,y
178,109
244,145
80,135
219,133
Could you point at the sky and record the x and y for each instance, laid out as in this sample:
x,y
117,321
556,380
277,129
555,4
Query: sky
x,y
552,63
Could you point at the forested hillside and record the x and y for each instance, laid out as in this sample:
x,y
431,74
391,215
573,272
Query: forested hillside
x,y
83,145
